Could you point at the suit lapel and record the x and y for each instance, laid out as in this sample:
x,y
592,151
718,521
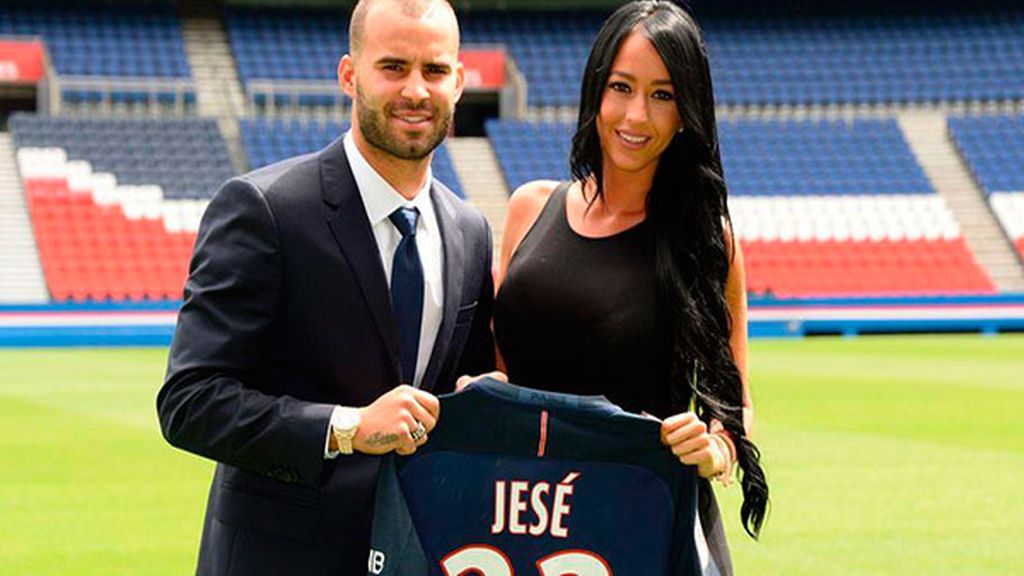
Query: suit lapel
x,y
355,239
451,238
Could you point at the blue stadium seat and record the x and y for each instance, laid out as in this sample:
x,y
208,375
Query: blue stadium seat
x,y
878,59
104,40
795,157
993,147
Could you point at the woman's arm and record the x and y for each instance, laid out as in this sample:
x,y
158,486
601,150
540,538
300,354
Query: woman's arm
x,y
736,298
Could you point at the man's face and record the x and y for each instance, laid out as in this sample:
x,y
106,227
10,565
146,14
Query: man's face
x,y
405,80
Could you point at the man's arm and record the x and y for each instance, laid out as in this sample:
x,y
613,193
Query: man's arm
x,y
223,329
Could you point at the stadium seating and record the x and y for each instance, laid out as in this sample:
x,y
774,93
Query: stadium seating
x,y
550,48
841,209
186,157
993,147
289,45
267,141
879,59
298,45
531,150
115,203
822,208
862,59
100,40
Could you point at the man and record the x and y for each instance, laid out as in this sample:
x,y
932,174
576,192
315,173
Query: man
x,y
317,286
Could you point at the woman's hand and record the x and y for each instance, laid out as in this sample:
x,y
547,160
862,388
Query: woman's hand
x,y
690,440
466,380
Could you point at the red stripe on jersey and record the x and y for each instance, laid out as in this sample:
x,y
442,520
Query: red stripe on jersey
x,y
543,433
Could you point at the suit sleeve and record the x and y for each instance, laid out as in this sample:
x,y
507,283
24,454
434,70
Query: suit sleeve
x,y
205,405
478,354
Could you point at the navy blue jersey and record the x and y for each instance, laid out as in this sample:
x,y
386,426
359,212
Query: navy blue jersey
x,y
518,481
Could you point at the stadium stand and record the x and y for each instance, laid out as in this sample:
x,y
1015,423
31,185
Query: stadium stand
x,y
755,61
993,147
531,150
297,45
868,59
115,203
186,157
271,140
104,41
550,48
823,208
289,45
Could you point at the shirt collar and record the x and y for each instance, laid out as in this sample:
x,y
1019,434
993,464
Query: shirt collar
x,y
379,197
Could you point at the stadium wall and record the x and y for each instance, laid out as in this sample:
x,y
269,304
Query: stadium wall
x,y
152,323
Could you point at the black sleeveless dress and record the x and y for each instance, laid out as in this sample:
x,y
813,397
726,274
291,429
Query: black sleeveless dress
x,y
580,315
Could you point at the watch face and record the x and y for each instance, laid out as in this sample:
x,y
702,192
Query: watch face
x,y
348,420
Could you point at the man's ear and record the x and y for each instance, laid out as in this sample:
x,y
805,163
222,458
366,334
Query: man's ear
x,y
460,80
347,76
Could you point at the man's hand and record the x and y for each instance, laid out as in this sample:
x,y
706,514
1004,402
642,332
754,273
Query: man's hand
x,y
391,421
466,380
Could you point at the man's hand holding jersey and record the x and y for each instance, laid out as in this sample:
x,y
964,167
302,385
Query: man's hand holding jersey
x,y
399,420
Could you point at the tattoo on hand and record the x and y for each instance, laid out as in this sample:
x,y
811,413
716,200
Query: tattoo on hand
x,y
379,439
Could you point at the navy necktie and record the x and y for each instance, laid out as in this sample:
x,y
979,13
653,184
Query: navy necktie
x,y
407,290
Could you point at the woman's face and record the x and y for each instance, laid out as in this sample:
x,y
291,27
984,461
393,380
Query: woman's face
x,y
638,116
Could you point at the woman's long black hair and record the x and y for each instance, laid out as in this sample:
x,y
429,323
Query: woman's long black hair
x,y
687,209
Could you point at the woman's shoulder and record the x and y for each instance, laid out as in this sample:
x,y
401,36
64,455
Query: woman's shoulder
x,y
533,193
524,208
528,200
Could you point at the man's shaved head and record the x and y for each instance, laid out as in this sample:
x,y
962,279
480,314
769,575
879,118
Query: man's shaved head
x,y
411,8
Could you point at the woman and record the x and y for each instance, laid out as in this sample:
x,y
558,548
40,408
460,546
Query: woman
x,y
627,281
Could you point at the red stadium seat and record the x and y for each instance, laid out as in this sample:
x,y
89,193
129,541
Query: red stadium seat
x,y
858,268
92,252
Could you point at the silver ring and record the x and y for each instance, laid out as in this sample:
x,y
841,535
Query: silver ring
x,y
419,432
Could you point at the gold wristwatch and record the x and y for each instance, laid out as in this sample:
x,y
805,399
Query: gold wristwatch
x,y
344,425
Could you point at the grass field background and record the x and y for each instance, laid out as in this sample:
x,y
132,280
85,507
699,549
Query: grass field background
x,y
886,455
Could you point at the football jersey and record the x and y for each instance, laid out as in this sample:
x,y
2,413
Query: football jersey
x,y
516,481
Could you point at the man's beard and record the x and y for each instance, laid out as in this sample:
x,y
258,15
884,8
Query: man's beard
x,y
373,123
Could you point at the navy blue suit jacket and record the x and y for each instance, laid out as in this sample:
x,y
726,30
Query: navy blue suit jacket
x,y
286,314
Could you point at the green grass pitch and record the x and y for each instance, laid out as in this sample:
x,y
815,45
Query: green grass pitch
x,y
886,455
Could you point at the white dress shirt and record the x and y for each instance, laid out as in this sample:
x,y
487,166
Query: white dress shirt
x,y
381,199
